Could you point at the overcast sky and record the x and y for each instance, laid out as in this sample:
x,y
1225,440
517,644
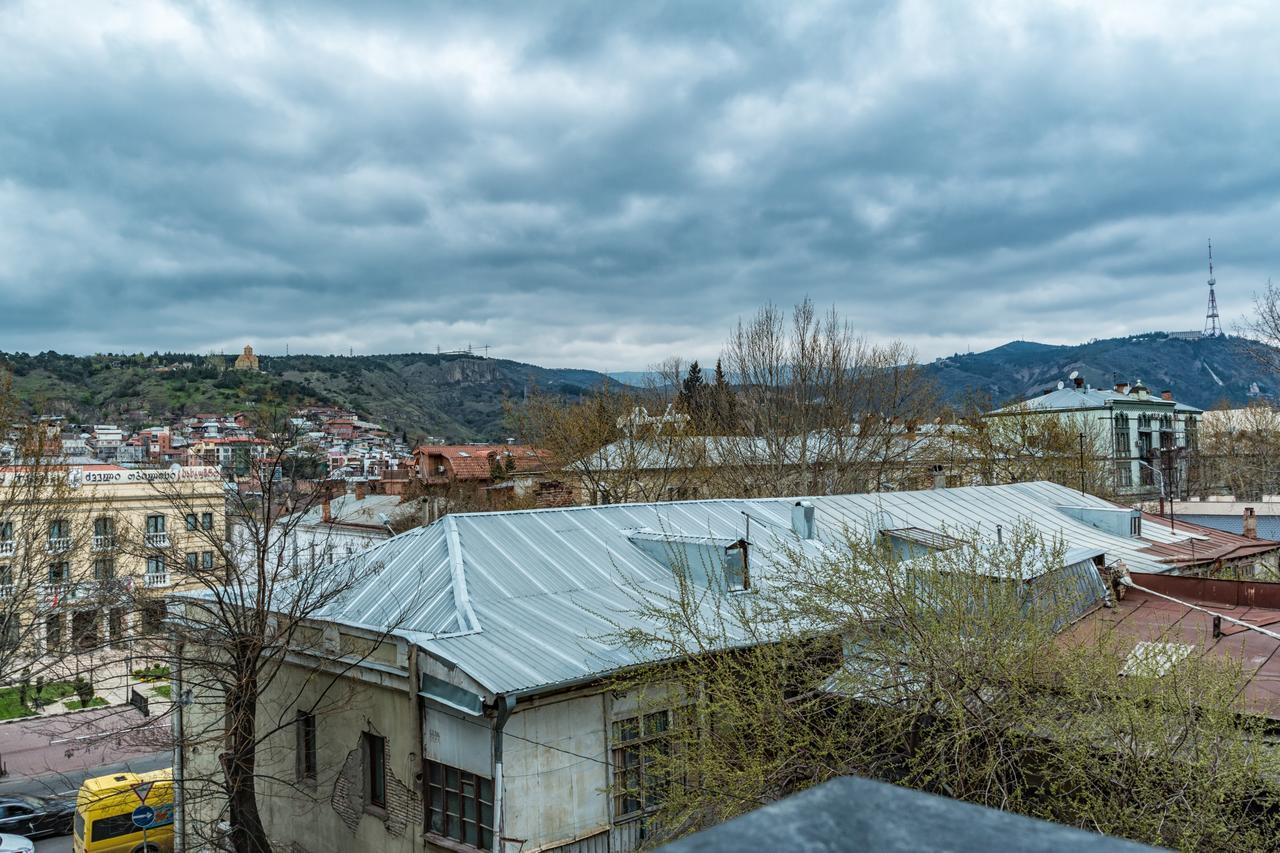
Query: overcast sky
x,y
607,184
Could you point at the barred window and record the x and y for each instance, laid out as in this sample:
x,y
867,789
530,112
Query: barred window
x,y
460,805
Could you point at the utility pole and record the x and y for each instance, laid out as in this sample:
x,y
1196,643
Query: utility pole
x,y
1082,463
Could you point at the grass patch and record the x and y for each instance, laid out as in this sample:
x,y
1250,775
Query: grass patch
x,y
163,690
95,702
152,673
11,708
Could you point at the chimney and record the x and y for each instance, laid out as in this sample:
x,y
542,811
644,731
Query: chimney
x,y
939,477
802,520
362,489
326,510
1122,387
1079,380
1167,394
1250,523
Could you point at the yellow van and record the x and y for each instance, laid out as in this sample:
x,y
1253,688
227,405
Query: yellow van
x,y
104,814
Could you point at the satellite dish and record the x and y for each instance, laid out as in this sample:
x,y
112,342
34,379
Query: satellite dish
x,y
1061,385
1074,374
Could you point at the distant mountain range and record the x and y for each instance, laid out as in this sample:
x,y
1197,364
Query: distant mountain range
x,y
460,396
1202,372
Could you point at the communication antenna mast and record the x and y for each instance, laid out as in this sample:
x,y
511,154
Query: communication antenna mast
x,y
1212,328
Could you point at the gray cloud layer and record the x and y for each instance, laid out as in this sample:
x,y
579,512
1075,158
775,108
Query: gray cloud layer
x,y
607,184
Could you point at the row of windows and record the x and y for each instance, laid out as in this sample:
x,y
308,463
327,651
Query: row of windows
x,y
60,528
86,627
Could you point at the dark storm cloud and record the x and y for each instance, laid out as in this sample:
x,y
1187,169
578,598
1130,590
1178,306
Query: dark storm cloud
x,y
607,184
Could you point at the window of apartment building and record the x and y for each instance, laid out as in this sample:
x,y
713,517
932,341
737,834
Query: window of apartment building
x,y
305,731
10,632
59,572
193,523
206,559
84,629
375,770
155,565
193,561
104,569
6,580
1124,474
639,743
153,616
53,631
6,531
115,625
206,521
460,805
1120,429
59,533
155,524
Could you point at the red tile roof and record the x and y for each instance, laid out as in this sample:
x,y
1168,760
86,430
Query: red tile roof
x,y
472,461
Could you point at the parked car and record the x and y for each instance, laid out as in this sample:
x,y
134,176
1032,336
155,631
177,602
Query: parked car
x,y
16,844
36,817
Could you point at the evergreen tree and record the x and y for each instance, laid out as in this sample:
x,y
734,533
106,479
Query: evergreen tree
x,y
693,394
724,410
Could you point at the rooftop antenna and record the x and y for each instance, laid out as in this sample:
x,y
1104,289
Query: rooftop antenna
x,y
1212,328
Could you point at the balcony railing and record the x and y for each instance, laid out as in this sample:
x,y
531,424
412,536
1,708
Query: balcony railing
x,y
8,547
104,543
58,544
157,579
157,540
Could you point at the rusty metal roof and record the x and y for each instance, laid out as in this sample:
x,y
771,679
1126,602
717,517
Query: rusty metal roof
x,y
1145,618
1202,546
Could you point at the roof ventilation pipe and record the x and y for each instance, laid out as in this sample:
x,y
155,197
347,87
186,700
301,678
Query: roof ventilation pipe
x,y
802,520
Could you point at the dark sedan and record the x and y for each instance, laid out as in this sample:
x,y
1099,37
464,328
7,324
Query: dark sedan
x,y
36,817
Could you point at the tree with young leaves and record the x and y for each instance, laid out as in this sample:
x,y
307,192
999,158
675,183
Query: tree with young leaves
x,y
948,672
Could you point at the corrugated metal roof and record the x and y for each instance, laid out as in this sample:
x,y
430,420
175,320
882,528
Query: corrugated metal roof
x,y
1076,399
529,598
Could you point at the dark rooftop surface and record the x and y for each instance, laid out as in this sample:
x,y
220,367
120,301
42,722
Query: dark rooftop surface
x,y
1215,545
858,814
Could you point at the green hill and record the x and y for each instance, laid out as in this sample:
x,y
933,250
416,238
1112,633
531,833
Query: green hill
x,y
458,397
1202,372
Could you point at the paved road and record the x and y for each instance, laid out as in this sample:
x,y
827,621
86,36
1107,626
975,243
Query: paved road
x,y
64,744
61,844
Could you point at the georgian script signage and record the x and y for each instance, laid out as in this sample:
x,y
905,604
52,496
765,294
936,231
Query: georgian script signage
x,y
78,476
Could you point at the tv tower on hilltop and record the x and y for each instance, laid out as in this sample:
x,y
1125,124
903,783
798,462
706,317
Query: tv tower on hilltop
x,y
1212,328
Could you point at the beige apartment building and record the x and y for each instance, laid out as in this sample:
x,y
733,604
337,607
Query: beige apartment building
x,y
87,552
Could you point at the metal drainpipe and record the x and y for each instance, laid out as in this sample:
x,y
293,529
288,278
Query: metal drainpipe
x,y
505,704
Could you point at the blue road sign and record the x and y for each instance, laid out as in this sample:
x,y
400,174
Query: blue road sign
x,y
144,816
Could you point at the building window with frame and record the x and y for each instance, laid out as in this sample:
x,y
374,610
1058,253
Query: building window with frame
x,y
1120,429
155,524
53,631
153,616
306,746
375,770
206,560
193,523
104,569
6,531
206,521
639,743
115,625
460,805
193,561
1124,475
59,572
